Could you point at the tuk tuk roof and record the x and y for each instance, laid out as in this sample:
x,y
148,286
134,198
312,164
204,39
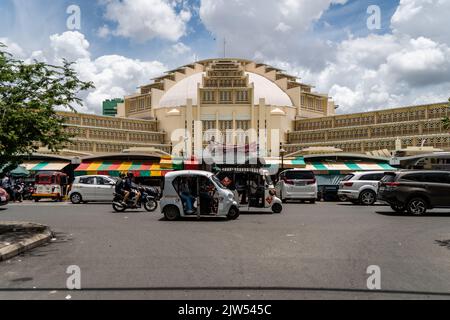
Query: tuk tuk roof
x,y
176,174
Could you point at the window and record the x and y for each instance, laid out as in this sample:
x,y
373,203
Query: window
x,y
87,180
372,177
436,178
225,96
417,177
299,175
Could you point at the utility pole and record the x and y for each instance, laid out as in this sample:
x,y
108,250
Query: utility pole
x,y
224,47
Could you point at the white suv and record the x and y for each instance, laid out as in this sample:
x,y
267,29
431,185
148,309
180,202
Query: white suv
x,y
92,188
361,187
297,185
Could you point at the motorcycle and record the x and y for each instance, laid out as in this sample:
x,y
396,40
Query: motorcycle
x,y
149,199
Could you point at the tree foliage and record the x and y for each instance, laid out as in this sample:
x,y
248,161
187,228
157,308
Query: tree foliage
x,y
29,95
446,120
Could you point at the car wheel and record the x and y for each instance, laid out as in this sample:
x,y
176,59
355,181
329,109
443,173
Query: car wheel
x,y
233,214
342,198
277,208
76,198
368,198
399,208
417,206
171,213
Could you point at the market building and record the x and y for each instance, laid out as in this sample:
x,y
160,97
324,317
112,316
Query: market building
x,y
222,100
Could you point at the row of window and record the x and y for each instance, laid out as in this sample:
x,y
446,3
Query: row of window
x,y
315,104
225,83
225,96
434,127
104,147
139,104
440,142
436,112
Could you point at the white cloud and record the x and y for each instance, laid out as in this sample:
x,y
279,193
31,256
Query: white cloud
x,y
70,45
180,49
423,18
114,76
12,47
272,27
408,66
144,20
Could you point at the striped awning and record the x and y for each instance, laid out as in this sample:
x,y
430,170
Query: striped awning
x,y
44,165
347,166
289,163
168,163
114,168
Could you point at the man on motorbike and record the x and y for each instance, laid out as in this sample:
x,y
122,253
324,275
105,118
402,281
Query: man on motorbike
x,y
120,188
133,190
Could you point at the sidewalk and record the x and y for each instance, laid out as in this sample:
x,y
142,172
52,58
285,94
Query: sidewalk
x,y
18,237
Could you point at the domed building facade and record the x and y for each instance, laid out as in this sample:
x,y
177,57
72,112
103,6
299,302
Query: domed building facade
x,y
231,101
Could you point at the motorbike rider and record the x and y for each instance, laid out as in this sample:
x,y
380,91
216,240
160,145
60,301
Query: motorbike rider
x,y
120,188
132,188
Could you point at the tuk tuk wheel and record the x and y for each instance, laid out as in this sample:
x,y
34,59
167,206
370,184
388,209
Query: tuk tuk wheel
x,y
277,208
36,199
171,213
233,214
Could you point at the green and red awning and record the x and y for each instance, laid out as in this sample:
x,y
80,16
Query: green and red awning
x,y
115,168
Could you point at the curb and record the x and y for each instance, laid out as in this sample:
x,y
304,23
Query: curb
x,y
25,245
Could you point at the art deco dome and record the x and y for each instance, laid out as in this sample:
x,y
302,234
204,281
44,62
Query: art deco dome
x,y
187,89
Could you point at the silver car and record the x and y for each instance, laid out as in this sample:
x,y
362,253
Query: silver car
x,y
297,184
92,188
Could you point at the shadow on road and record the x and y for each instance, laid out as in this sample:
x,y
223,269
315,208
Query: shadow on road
x,y
429,214
444,243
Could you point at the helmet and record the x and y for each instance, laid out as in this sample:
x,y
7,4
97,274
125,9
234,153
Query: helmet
x,y
130,175
122,175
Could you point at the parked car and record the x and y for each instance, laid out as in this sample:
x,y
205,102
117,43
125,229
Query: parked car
x,y
415,191
361,187
297,184
4,197
92,188
328,187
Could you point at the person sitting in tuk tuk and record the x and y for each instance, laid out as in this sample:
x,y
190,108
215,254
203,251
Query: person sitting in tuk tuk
x,y
207,190
186,195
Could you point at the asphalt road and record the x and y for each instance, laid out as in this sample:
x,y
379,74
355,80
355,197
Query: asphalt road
x,y
307,252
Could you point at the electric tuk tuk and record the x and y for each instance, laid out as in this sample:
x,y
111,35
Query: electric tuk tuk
x,y
253,186
196,194
50,185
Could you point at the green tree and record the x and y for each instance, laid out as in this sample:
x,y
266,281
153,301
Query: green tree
x,y
29,96
446,120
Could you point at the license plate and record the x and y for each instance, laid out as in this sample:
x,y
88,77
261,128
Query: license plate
x,y
3,199
300,184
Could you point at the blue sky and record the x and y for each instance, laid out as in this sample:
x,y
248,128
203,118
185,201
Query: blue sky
x,y
324,42
33,21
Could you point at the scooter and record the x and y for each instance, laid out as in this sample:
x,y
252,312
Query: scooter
x,y
149,199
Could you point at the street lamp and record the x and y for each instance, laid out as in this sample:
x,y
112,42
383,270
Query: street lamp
x,y
282,153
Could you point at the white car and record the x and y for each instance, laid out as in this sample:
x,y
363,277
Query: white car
x,y
297,184
92,188
361,187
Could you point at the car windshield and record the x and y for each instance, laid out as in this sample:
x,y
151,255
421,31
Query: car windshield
x,y
218,183
389,177
299,175
348,177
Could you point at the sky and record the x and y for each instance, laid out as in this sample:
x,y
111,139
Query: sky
x,y
338,46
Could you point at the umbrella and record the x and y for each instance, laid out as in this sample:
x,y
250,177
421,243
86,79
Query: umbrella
x,y
20,172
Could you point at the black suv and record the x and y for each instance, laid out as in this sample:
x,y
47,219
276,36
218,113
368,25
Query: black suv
x,y
415,191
